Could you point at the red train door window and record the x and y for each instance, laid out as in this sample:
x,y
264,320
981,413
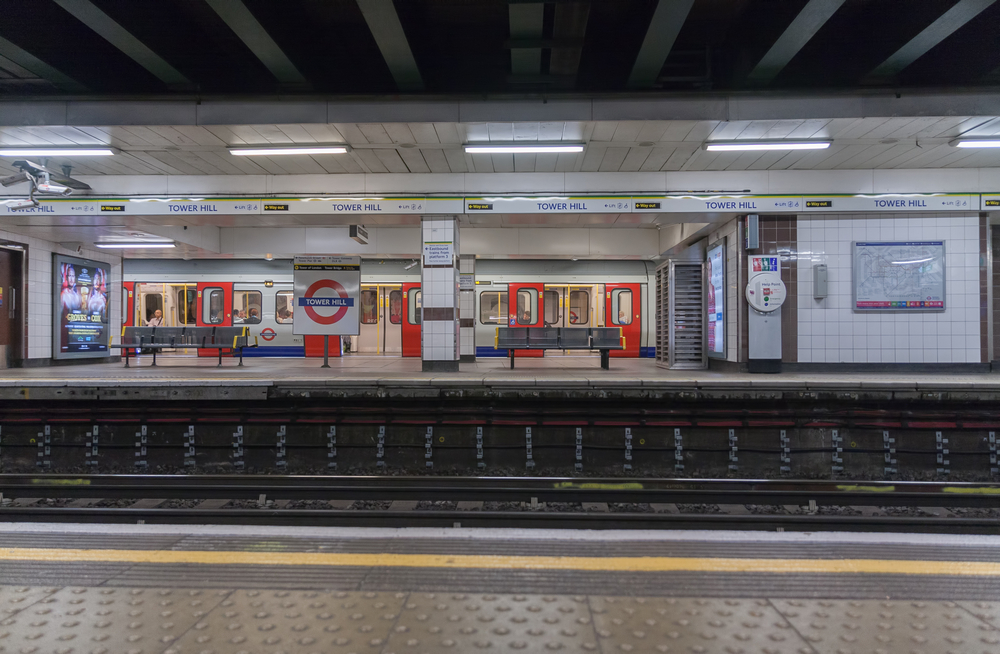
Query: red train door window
x,y
128,304
623,309
525,307
214,307
411,316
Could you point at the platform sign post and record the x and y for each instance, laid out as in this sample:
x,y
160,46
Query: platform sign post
x,y
327,298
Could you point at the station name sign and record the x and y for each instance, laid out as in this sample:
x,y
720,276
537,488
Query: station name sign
x,y
541,204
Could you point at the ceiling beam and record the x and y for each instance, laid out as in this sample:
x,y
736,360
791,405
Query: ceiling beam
x,y
570,24
668,18
801,30
946,25
254,36
36,66
383,21
91,16
526,22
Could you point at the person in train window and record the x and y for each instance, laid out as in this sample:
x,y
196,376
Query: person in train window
x,y
621,318
254,317
156,320
284,315
238,316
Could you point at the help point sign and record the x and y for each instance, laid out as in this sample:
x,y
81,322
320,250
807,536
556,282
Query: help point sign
x,y
327,295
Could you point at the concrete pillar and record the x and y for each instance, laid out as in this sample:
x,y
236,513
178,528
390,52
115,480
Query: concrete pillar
x,y
467,306
439,294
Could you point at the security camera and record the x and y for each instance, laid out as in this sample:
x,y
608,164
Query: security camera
x,y
49,188
19,178
407,267
26,203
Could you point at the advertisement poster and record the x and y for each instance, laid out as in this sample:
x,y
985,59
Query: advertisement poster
x,y
327,292
904,276
80,307
715,272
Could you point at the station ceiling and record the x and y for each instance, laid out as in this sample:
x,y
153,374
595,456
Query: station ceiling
x,y
611,146
104,48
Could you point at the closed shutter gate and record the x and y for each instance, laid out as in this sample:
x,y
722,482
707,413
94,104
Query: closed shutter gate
x,y
682,293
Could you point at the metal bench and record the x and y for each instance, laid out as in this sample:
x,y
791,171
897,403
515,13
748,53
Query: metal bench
x,y
162,338
603,339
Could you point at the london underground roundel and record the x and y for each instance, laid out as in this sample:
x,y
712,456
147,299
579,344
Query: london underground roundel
x,y
313,303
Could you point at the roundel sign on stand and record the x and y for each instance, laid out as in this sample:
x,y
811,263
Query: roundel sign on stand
x,y
327,292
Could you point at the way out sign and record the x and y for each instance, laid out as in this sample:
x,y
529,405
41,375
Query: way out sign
x,y
327,295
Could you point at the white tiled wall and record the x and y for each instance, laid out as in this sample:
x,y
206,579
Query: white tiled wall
x,y
39,289
439,289
730,231
830,332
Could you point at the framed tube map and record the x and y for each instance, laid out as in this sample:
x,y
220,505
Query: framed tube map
x,y
715,305
904,276
80,307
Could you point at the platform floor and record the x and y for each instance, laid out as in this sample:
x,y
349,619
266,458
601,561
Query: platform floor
x,y
551,371
168,589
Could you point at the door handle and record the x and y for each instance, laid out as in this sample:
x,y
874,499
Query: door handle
x,y
13,301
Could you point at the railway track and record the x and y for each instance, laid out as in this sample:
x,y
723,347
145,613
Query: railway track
x,y
504,502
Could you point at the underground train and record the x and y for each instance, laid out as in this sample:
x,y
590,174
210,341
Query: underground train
x,y
259,294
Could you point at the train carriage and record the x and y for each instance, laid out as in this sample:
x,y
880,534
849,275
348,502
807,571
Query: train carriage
x,y
259,295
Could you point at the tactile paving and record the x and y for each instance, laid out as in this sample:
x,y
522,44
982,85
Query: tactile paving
x,y
105,620
888,627
447,622
17,598
295,621
693,626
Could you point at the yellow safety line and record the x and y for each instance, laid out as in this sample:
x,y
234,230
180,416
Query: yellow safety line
x,y
606,564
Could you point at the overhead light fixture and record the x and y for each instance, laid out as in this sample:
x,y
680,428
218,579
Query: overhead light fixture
x,y
526,147
26,203
306,149
134,245
976,143
56,152
746,146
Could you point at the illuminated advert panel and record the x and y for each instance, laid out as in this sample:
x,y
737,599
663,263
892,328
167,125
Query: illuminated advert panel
x,y
80,307
715,306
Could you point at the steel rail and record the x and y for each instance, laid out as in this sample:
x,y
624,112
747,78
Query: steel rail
x,y
506,489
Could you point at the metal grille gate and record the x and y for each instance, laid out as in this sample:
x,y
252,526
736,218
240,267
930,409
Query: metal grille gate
x,y
680,315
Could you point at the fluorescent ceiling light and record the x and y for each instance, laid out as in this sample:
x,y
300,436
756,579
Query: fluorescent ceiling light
x,y
137,245
56,152
741,146
528,147
976,143
309,149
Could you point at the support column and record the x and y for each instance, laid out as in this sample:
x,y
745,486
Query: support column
x,y
467,306
439,294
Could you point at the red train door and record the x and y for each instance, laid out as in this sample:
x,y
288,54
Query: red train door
x,y
525,307
410,332
214,308
623,308
128,304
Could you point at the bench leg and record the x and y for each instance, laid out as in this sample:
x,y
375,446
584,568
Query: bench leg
x,y
220,358
511,359
154,355
606,359
241,356
126,356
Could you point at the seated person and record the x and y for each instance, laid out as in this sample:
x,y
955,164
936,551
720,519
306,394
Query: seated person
x,y
156,320
254,317
284,315
238,317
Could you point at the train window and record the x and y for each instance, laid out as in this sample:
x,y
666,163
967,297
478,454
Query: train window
x,y
413,311
493,308
186,306
621,306
283,307
246,307
369,307
395,307
579,307
213,307
551,305
151,303
527,306
124,305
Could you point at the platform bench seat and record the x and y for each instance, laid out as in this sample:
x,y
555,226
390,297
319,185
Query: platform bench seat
x,y
206,338
603,339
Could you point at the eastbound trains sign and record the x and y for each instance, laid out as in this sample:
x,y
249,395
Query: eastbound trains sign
x,y
327,292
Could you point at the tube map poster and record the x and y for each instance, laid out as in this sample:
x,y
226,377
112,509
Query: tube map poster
x,y
907,276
